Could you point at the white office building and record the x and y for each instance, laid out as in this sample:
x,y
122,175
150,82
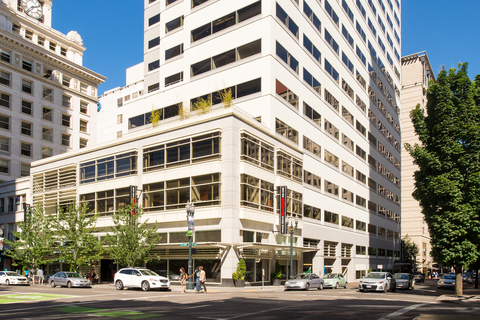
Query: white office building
x,y
315,92
48,100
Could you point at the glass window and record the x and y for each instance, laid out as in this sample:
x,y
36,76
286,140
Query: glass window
x,y
65,140
26,128
27,86
25,149
5,78
47,134
4,122
174,24
153,20
173,52
48,94
154,42
4,144
66,120
83,107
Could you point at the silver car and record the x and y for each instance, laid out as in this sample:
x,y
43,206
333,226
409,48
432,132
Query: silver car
x,y
377,281
446,281
404,280
304,281
68,279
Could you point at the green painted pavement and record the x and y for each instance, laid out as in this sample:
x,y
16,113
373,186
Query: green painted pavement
x,y
11,298
106,313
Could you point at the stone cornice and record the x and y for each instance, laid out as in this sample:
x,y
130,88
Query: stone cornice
x,y
23,19
38,53
48,82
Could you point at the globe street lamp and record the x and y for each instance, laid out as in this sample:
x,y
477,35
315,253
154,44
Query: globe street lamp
x,y
190,213
292,230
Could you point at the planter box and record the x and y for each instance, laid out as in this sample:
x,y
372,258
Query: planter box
x,y
240,283
277,282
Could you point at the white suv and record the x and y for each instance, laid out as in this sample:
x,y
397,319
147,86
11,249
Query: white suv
x,y
140,278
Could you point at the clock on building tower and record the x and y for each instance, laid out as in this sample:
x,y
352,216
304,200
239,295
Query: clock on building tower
x,y
33,8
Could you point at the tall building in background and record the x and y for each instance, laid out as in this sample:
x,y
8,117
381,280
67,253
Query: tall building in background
x,y
48,100
416,74
241,98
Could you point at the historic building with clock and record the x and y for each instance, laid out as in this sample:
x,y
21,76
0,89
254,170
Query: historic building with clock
x,y
48,100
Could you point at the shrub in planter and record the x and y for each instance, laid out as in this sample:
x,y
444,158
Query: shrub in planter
x,y
241,269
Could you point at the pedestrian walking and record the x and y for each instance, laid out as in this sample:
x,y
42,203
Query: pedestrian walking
x,y
196,276
203,279
40,275
94,276
183,279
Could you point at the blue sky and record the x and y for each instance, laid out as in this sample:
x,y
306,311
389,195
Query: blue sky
x,y
112,32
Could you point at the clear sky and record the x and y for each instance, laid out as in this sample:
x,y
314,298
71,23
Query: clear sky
x,y
112,32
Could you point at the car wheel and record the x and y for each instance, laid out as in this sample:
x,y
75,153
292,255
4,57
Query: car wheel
x,y
145,286
7,283
346,285
69,284
307,286
336,285
119,285
320,287
52,284
361,290
394,289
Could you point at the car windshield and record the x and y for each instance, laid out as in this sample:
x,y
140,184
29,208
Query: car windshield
x,y
330,276
73,275
12,274
400,276
448,277
374,275
301,276
147,272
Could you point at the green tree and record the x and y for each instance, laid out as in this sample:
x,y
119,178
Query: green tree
x,y
75,227
447,182
241,269
33,244
411,253
130,241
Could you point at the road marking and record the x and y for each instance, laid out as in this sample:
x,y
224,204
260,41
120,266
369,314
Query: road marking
x,y
402,311
255,313
210,318
202,306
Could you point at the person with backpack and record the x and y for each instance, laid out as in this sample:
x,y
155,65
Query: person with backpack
x,y
183,279
203,279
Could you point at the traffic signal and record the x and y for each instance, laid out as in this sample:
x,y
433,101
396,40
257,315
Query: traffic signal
x,y
133,198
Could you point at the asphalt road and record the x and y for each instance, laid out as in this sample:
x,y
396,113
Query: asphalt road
x,y
104,302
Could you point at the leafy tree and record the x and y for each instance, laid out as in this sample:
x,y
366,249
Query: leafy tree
x,y
411,252
34,241
447,183
75,228
131,241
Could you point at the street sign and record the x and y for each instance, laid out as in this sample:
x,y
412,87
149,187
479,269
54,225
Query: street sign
x,y
186,244
283,209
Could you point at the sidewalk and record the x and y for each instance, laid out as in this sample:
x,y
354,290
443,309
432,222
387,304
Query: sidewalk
x,y
469,295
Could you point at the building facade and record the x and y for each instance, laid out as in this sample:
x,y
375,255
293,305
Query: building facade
x,y
254,95
48,100
416,74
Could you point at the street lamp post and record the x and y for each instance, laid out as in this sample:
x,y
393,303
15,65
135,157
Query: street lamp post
x,y
190,213
292,230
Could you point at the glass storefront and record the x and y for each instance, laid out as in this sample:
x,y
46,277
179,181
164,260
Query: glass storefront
x,y
255,269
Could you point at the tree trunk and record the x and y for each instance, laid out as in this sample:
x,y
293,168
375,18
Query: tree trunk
x,y
458,280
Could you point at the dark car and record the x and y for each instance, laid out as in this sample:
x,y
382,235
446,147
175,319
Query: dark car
x,y
419,278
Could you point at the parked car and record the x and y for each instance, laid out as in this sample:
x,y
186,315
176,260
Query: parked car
x,y
140,278
404,280
377,281
334,280
304,281
12,277
69,279
171,275
471,279
446,281
419,278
